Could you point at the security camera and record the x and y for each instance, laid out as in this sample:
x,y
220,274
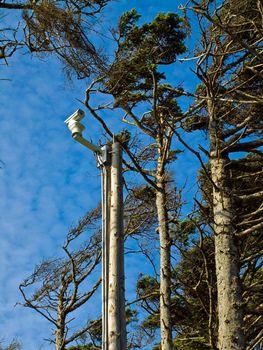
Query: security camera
x,y
73,122
76,116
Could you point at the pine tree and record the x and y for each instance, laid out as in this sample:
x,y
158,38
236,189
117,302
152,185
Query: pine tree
x,y
230,70
133,80
60,27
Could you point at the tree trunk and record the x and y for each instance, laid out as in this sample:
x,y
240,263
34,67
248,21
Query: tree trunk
x,y
116,301
165,267
60,331
230,315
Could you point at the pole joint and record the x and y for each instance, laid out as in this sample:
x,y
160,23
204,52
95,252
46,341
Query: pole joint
x,y
103,157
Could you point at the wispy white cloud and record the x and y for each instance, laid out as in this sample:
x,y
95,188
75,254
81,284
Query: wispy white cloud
x,y
47,182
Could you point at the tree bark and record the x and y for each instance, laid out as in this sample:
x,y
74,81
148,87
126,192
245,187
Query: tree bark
x,y
60,331
165,266
230,314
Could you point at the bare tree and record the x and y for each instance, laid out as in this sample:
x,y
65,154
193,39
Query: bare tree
x,y
59,287
14,345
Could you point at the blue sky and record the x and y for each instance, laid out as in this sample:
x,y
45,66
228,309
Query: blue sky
x,y
48,181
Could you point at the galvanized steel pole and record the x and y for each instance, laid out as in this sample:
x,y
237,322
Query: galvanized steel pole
x,y
105,189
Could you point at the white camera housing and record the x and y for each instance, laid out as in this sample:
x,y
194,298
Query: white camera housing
x,y
76,116
73,122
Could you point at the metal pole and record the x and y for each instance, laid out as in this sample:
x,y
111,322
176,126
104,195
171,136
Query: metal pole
x,y
104,254
103,161
116,299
